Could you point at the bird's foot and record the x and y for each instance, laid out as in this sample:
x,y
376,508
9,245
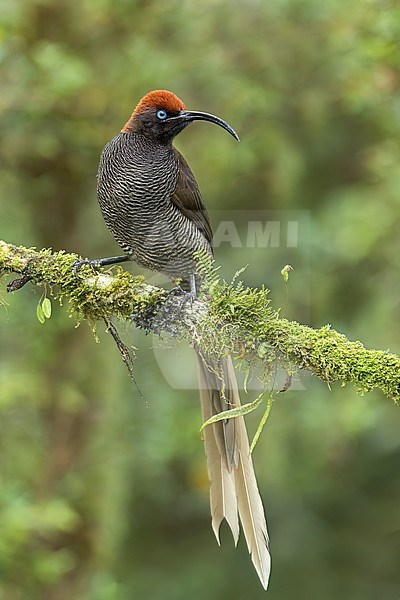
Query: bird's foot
x,y
186,295
178,299
93,264
99,262
167,315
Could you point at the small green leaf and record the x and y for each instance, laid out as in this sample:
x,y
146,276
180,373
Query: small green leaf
x,y
46,308
239,411
39,314
262,422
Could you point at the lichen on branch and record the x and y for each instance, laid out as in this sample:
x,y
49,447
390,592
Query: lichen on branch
x,y
228,318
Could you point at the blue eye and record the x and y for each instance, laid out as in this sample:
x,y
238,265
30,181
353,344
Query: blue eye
x,y
161,114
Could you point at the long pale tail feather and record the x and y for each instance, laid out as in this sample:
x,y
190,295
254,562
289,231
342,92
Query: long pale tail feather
x,y
233,483
252,517
222,489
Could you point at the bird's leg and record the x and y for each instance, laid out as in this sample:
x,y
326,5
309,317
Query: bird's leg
x,y
100,262
193,286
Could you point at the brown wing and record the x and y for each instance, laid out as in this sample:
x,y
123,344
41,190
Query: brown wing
x,y
188,199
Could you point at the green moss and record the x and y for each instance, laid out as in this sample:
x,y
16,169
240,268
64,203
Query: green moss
x,y
237,320
91,295
240,321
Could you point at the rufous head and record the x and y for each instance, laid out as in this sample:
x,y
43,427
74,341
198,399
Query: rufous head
x,y
161,115
161,99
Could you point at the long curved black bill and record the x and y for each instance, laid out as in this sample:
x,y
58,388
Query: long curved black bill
x,y
194,115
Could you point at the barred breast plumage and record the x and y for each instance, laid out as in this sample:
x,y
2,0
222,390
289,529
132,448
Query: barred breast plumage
x,y
136,182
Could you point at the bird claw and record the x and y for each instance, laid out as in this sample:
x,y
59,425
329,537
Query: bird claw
x,y
186,295
181,297
176,303
90,263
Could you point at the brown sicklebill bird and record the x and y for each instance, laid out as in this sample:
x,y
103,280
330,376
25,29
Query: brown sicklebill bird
x,y
152,204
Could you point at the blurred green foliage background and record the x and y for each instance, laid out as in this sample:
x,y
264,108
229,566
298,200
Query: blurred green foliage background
x,y
104,495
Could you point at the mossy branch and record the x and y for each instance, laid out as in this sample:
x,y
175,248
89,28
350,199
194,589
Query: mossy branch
x,y
229,319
